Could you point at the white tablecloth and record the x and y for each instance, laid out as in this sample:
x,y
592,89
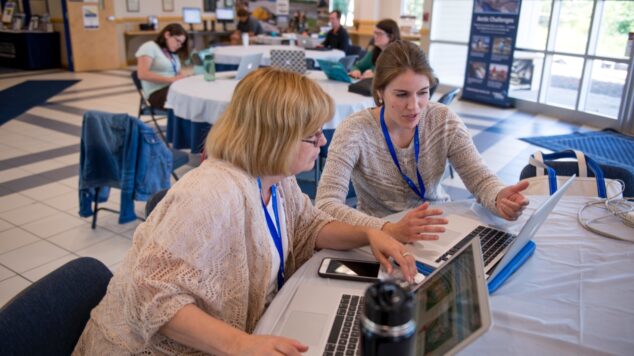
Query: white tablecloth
x,y
197,100
574,296
233,54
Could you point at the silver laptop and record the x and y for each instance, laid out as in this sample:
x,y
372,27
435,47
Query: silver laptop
x,y
248,64
498,246
308,43
452,310
293,60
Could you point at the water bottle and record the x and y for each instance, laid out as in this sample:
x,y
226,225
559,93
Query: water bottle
x,y
387,324
210,68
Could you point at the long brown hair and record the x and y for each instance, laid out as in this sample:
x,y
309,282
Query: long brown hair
x,y
393,32
397,58
174,29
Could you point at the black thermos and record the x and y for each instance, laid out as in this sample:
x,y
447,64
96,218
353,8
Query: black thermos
x,y
387,325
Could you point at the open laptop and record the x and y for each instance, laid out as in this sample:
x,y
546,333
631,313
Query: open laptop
x,y
293,60
248,64
499,247
452,310
309,43
334,71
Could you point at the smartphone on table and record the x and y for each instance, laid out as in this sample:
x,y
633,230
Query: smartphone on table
x,y
352,270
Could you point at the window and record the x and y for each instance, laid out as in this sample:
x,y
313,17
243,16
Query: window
x,y
533,26
573,23
347,11
450,27
413,8
571,54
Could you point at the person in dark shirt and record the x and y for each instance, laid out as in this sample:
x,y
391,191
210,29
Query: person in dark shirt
x,y
337,37
246,24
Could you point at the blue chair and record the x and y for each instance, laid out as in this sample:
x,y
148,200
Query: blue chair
x,y
310,64
449,96
48,317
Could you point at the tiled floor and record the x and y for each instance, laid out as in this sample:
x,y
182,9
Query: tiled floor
x,y
39,158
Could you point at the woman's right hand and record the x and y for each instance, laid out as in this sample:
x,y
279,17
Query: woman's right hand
x,y
180,76
269,345
356,74
418,224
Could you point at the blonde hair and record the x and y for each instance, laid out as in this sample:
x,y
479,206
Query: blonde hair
x,y
398,57
270,111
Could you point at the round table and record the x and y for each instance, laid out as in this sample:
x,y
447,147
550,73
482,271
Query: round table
x,y
231,55
196,104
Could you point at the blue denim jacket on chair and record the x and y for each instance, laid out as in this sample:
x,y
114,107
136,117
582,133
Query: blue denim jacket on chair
x,y
118,150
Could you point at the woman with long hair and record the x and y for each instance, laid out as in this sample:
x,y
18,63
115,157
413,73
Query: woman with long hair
x,y
158,63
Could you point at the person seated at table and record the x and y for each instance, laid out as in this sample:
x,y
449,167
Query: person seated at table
x,y
214,252
246,24
385,32
158,63
337,37
298,22
396,154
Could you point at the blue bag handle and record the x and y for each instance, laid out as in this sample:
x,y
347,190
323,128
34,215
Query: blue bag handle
x,y
552,175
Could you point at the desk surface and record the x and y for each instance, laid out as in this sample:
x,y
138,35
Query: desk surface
x,y
197,100
574,296
233,54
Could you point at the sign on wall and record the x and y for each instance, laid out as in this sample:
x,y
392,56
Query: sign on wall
x,y
90,14
491,46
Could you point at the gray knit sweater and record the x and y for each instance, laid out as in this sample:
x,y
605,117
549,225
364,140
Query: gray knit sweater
x,y
358,151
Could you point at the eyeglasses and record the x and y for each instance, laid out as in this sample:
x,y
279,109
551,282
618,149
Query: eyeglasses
x,y
317,139
179,42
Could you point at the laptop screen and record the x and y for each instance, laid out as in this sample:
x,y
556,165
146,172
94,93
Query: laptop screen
x,y
448,307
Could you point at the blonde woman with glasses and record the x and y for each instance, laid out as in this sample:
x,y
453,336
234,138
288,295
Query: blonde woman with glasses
x,y
219,246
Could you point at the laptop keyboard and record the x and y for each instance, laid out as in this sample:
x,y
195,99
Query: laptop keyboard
x,y
344,335
493,242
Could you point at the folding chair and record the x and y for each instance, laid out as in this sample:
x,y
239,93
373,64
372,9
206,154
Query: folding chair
x,y
145,108
121,151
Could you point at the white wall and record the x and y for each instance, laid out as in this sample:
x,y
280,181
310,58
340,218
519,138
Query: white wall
x,y
154,7
389,10
377,9
367,9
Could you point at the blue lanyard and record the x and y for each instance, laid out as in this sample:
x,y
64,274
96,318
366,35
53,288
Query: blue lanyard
x,y
420,192
172,60
276,234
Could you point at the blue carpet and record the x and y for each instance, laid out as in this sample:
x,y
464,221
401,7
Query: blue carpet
x,y
604,147
17,99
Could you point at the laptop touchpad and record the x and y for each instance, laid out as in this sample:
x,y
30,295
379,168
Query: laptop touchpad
x,y
305,327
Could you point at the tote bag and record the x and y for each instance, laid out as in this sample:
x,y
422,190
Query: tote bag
x,y
546,180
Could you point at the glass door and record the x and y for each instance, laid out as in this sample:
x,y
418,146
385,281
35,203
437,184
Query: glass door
x,y
571,56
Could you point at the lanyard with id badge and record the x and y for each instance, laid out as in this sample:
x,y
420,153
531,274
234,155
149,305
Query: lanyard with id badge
x,y
275,230
420,190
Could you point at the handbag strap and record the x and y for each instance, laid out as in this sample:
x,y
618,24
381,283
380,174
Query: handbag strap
x,y
537,159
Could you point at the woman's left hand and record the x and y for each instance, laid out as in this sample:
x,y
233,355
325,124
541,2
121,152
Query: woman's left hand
x,y
510,202
384,246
